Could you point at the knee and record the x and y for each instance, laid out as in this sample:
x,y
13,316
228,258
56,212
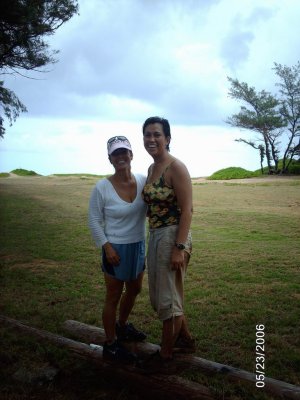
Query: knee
x,y
110,304
112,298
134,290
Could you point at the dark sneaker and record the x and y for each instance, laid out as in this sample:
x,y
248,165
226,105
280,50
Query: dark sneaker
x,y
184,345
129,333
155,364
117,352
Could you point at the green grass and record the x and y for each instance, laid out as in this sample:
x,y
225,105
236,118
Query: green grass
x,y
244,271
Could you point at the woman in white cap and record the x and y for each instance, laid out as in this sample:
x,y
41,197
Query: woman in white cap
x,y
117,216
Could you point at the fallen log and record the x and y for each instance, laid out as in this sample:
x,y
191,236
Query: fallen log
x,y
165,387
96,335
93,334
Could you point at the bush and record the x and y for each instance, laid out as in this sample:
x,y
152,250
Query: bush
x,y
294,167
23,172
4,174
233,173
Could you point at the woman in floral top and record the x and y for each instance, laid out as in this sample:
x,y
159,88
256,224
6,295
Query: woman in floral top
x,y
168,194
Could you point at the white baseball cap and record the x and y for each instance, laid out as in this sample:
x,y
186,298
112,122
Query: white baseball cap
x,y
118,142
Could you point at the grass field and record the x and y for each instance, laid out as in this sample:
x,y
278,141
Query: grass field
x,y
244,272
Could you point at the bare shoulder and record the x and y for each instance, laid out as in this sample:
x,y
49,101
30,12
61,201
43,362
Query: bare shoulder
x,y
178,167
150,170
178,175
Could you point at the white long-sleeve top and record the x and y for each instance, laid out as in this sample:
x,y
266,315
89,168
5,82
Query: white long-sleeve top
x,y
114,220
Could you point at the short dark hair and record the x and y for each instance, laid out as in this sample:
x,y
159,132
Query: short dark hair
x,y
165,124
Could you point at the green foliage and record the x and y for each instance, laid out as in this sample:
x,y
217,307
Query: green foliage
x,y
294,167
24,25
262,115
11,105
24,172
233,173
4,174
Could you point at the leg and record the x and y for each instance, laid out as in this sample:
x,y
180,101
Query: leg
x,y
133,288
162,361
114,290
177,326
170,330
184,330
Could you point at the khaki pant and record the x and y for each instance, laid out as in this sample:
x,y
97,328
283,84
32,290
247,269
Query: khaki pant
x,y
165,285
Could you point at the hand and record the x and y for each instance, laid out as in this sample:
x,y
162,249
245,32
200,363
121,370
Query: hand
x,y
177,259
112,256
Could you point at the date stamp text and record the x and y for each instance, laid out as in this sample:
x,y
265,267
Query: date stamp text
x,y
260,356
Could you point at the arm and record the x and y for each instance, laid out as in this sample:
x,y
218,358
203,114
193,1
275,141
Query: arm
x,y
96,217
96,225
181,182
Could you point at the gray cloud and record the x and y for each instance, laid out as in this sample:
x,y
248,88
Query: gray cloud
x,y
236,45
128,50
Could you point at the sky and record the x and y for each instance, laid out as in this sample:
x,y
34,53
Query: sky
x,y
122,61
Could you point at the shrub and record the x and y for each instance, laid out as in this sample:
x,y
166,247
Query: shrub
x,y
233,173
294,167
23,172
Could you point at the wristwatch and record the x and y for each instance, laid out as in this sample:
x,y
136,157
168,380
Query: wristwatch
x,y
180,246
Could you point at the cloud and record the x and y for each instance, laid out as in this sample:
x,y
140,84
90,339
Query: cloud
x,y
170,56
121,61
132,50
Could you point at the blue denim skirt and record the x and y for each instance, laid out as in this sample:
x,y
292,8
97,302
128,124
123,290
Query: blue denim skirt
x,y
132,262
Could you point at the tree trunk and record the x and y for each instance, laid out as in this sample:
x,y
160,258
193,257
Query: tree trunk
x,y
93,334
165,387
267,149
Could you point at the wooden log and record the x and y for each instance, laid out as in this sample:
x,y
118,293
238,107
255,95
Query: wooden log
x,y
164,387
93,334
283,390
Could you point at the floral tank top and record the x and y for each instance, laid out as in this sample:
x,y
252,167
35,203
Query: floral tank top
x,y
163,209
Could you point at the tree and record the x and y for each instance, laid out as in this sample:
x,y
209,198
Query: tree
x,y
290,108
24,25
11,106
262,117
259,147
270,116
